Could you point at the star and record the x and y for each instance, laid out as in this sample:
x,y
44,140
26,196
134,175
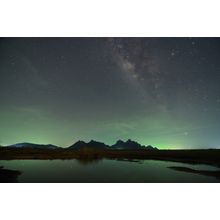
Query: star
x,y
173,53
135,76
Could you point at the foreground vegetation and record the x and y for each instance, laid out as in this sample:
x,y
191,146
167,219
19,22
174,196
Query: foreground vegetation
x,y
211,156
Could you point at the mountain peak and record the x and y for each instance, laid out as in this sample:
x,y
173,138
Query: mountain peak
x,y
120,142
92,144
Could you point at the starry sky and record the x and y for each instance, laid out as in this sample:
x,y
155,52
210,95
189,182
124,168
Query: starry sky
x,y
159,91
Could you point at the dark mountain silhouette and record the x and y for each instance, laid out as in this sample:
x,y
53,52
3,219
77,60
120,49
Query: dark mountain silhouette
x,y
96,144
31,145
149,147
129,145
78,145
92,144
119,145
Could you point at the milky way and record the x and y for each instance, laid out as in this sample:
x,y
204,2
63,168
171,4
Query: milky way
x,y
159,91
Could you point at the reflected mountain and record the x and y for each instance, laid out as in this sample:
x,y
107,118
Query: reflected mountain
x,y
89,161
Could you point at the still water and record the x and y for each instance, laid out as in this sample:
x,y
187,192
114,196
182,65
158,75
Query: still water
x,y
101,171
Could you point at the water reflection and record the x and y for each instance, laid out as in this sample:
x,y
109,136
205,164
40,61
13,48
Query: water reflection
x,y
130,160
92,170
89,161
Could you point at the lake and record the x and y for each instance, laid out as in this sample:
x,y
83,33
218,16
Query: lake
x,y
101,171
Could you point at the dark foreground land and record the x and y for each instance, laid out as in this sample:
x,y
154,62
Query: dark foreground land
x,y
211,157
8,176
215,174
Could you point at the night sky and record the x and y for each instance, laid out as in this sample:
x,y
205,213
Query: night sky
x,y
159,91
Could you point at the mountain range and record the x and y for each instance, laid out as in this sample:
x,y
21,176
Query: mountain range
x,y
131,145
92,144
31,145
119,145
